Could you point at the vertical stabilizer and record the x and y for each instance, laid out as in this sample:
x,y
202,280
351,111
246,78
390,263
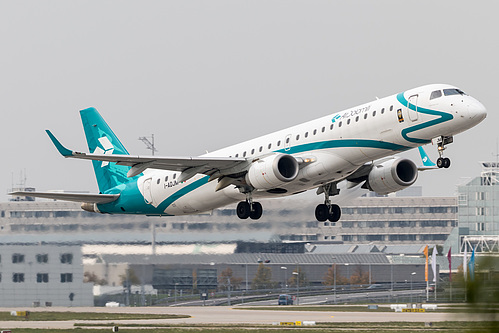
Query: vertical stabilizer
x,y
102,140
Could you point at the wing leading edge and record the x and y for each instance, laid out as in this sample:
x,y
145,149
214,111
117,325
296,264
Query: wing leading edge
x,y
76,197
189,166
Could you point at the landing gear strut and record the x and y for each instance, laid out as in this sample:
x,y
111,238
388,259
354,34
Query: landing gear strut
x,y
249,209
327,210
443,162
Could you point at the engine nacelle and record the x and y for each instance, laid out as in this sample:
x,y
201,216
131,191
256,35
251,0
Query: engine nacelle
x,y
392,176
272,171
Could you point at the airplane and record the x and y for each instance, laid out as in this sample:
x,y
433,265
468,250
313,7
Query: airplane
x,y
355,146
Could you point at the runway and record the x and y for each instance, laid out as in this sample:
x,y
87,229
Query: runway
x,y
233,315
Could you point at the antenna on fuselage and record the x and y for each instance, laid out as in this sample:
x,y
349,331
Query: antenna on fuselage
x,y
149,144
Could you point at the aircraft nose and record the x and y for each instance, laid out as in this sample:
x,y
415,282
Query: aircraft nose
x,y
477,111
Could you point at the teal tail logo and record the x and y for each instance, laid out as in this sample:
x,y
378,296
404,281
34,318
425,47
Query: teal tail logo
x,y
102,140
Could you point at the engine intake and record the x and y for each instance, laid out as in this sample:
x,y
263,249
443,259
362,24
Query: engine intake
x,y
392,176
272,171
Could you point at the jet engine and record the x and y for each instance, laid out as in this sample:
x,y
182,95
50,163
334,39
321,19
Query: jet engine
x,y
272,171
392,176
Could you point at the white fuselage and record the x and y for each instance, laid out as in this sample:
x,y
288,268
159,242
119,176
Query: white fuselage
x,y
337,144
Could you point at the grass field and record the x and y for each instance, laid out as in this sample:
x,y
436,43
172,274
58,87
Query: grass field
x,y
393,327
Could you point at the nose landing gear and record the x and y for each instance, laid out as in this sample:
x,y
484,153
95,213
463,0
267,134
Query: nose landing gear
x,y
443,162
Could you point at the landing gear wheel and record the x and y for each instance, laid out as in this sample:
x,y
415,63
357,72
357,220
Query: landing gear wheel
x,y
257,211
243,210
322,212
334,213
443,162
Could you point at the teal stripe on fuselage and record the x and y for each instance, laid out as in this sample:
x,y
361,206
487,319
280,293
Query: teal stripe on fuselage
x,y
347,143
443,117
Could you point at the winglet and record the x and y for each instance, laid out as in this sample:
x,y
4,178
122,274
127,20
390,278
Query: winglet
x,y
63,150
427,163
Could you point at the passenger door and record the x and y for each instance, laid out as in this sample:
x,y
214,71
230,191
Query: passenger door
x,y
413,114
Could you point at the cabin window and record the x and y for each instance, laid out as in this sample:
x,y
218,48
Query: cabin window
x,y
391,107
315,131
270,145
261,148
252,151
306,134
436,94
174,175
166,178
374,113
323,129
157,182
298,137
237,155
365,116
341,123
331,127
357,119
244,154
348,122
382,110
287,140
278,143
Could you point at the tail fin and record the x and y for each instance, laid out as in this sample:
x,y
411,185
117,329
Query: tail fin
x,y
102,140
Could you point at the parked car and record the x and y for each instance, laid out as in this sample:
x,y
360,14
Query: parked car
x,y
285,300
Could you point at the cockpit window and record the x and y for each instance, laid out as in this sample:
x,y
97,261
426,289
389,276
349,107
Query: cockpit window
x,y
436,94
449,92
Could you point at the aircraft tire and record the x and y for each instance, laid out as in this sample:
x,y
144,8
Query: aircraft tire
x,y
335,214
257,211
243,210
446,163
321,212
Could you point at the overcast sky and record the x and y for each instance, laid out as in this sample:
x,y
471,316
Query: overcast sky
x,y
202,75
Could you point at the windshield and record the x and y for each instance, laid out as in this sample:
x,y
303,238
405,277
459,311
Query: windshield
x,y
449,92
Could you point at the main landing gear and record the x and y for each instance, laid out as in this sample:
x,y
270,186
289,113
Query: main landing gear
x,y
249,209
443,162
327,210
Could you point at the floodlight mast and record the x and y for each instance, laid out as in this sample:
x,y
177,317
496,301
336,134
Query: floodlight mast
x,y
149,144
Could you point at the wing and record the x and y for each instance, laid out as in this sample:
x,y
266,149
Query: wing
x,y
189,166
77,197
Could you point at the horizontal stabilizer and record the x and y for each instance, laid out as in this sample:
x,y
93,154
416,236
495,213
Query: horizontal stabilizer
x,y
76,197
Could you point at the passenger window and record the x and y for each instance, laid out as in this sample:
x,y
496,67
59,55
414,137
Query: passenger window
x,y
382,110
323,129
261,148
357,119
306,134
435,94
298,137
365,116
174,175
270,145
287,140
157,182
391,107
237,155
348,122
252,151
331,127
374,113
244,154
166,178
341,123
315,131
278,143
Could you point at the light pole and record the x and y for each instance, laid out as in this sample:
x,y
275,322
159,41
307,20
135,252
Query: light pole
x,y
297,287
348,275
335,283
285,269
412,274
176,284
